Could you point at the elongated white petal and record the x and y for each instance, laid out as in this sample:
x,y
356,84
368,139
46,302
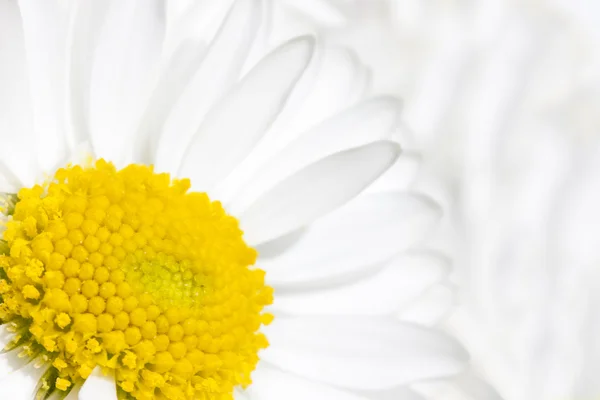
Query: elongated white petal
x,y
475,388
431,307
16,114
22,383
73,394
98,387
333,91
368,122
240,394
10,362
366,232
278,135
195,20
329,84
125,64
171,84
271,384
366,353
9,181
325,12
87,19
401,393
399,283
218,72
44,26
465,386
222,141
400,176
316,190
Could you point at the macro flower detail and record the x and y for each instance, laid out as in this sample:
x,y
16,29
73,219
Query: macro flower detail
x,y
128,271
175,175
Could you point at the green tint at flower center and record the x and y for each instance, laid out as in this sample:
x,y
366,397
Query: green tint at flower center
x,y
171,283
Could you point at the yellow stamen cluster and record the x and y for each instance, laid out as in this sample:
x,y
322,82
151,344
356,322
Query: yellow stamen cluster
x,y
129,271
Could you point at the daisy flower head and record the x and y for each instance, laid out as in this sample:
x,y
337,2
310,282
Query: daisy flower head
x,y
166,183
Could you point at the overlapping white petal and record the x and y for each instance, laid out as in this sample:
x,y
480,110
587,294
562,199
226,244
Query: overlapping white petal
x,y
359,237
361,352
174,77
367,122
292,203
217,73
45,30
125,64
22,383
222,142
98,387
271,384
16,113
432,306
392,288
87,18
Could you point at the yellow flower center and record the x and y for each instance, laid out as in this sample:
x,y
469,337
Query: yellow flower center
x,y
129,271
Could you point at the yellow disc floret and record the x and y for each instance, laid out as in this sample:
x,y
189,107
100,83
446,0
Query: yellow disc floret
x,y
127,270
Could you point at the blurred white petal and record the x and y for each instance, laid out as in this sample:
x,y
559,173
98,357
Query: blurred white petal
x,y
365,233
336,350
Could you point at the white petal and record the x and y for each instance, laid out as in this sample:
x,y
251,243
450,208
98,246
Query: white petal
x,y
98,387
325,12
464,387
16,114
475,388
175,77
396,285
195,20
240,120
370,121
277,136
217,73
73,394
87,18
44,27
263,42
125,64
240,394
401,393
365,353
333,80
431,307
316,190
80,155
271,384
9,181
333,91
366,232
400,176
10,362
5,336
21,384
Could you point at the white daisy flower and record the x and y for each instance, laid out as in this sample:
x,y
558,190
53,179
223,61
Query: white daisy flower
x,y
118,281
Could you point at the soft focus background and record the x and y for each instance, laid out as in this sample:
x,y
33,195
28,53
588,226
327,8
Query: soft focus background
x,y
502,99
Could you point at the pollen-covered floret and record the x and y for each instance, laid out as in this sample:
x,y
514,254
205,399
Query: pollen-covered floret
x,y
129,271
